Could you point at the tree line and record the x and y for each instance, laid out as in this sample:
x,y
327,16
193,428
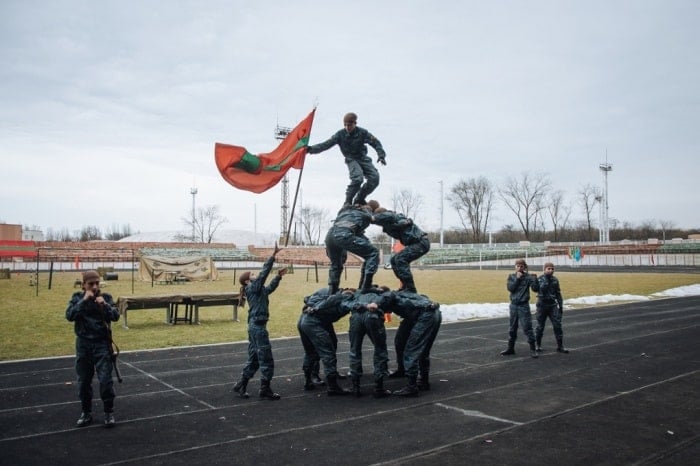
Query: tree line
x,y
539,212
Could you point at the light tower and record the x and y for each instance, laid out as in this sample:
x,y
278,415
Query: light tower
x,y
282,132
442,215
193,191
605,168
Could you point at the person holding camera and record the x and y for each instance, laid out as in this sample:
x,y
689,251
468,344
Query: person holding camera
x,y
549,304
519,285
92,313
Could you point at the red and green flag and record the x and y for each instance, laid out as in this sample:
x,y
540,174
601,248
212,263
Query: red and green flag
x,y
258,173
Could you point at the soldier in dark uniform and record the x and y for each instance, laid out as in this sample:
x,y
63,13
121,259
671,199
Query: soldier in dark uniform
x,y
353,142
320,311
415,242
549,304
423,318
368,320
519,285
92,313
347,234
259,347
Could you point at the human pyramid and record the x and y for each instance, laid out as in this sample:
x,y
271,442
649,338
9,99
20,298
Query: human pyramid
x,y
367,304
93,311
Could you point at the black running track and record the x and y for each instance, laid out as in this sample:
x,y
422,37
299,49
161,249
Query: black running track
x,y
628,393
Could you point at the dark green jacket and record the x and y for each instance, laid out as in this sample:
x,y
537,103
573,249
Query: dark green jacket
x,y
352,145
92,321
399,227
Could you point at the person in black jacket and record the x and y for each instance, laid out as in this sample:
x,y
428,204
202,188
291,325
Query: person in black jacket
x,y
549,304
92,313
319,339
348,234
353,142
415,241
519,285
422,318
259,347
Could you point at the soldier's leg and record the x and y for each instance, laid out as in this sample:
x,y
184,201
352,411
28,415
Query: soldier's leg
x,y
356,179
377,333
558,332
424,359
104,367
267,364
335,255
541,317
356,334
512,331
400,339
526,318
85,371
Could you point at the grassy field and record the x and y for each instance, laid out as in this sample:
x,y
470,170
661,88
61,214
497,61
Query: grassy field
x,y
35,326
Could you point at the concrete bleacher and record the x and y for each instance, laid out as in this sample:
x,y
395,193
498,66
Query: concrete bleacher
x,y
218,254
453,255
302,255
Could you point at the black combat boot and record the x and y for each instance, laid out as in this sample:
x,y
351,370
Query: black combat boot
x,y
333,389
398,373
560,346
409,390
356,390
367,282
308,382
84,419
348,199
510,350
409,285
533,350
538,348
241,387
266,392
424,380
379,390
315,378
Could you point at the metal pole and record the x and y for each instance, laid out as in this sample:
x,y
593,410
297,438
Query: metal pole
x,y
442,216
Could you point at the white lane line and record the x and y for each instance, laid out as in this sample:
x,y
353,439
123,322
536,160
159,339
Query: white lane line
x,y
172,387
472,413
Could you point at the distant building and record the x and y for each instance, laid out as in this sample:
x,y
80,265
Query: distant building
x,y
33,235
9,232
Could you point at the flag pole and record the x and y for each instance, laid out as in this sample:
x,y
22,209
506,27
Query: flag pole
x,y
291,216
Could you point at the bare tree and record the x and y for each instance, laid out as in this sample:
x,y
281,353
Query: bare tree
x,y
558,212
589,196
90,233
407,202
666,225
114,233
206,222
524,196
64,235
473,200
313,223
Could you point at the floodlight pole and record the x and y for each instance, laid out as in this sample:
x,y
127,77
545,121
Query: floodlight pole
x,y
606,168
193,191
282,132
442,216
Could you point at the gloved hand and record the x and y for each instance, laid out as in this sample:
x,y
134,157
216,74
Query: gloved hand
x,y
381,159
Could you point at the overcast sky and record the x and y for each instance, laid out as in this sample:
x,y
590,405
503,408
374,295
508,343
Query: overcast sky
x,y
109,110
